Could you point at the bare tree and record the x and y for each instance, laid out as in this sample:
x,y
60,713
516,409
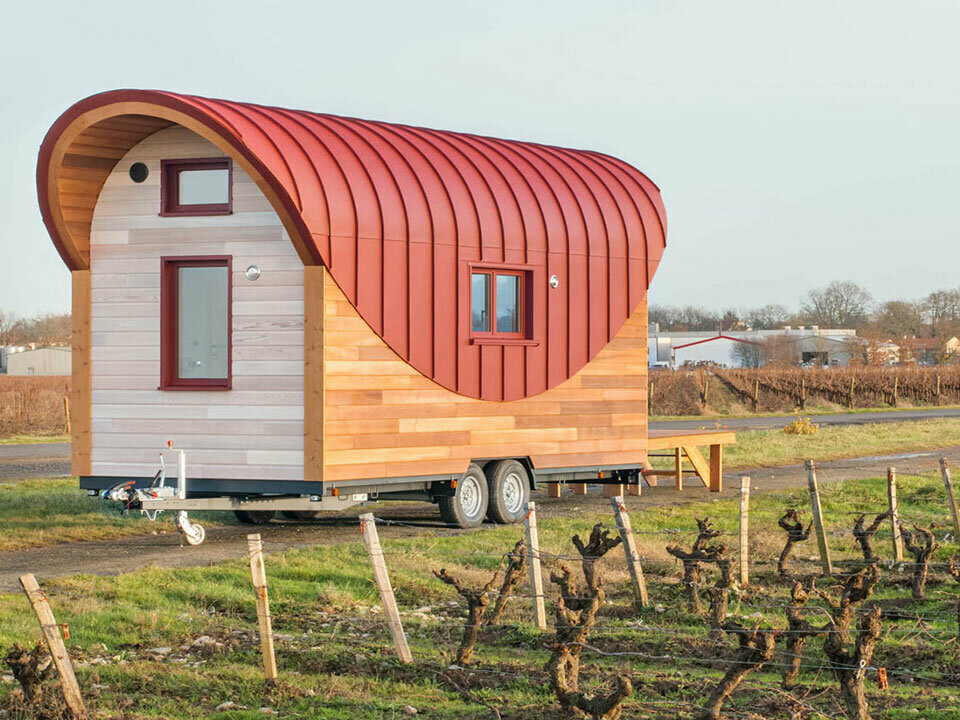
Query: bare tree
x,y
756,647
767,317
864,536
792,524
839,304
700,552
750,354
576,609
921,556
477,601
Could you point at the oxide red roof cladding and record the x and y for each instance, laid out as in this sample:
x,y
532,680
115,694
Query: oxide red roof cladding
x,y
396,213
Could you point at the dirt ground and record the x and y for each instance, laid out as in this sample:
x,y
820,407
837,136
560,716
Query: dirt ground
x,y
164,549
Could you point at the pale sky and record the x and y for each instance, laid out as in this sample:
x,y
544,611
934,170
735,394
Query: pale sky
x,y
794,142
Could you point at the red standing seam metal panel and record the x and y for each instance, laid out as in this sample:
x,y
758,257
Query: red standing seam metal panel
x,y
397,213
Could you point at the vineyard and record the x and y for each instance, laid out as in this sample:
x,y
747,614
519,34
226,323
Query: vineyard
x,y
713,635
33,405
778,389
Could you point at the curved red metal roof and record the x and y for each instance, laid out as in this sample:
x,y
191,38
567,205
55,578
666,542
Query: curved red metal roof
x,y
397,214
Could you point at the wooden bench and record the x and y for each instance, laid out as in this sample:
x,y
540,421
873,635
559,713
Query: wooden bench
x,y
686,444
685,447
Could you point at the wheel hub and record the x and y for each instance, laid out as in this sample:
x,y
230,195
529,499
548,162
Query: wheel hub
x,y
470,496
513,493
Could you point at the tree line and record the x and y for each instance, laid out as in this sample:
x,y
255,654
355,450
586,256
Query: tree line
x,y
840,304
41,330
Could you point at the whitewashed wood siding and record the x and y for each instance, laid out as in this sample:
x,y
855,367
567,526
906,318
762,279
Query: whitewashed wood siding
x,y
255,430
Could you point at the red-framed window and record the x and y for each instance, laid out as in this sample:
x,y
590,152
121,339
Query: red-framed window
x,y
499,305
199,186
196,322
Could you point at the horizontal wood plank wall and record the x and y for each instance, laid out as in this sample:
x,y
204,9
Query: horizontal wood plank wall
x,y
255,430
383,419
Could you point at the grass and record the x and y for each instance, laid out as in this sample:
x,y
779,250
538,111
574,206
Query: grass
x,y
48,511
33,439
771,448
336,660
811,409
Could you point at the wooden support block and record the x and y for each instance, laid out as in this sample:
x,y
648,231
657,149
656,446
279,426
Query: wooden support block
x,y
579,488
533,562
744,531
815,506
259,573
635,490
553,490
58,650
611,491
894,507
630,550
716,468
699,462
951,498
678,467
368,526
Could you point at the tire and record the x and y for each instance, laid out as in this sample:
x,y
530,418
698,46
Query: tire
x,y
509,490
467,506
254,517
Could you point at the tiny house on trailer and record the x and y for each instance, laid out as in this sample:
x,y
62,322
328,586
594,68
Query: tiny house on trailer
x,y
322,310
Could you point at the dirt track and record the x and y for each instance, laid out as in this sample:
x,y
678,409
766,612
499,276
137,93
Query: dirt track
x,y
165,550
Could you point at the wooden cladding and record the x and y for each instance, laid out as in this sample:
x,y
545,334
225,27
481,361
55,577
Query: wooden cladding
x,y
80,386
314,277
382,418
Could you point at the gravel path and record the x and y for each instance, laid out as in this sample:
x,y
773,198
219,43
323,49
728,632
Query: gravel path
x,y
164,549
19,462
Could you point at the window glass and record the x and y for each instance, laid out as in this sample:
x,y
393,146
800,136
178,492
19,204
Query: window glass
x,y
204,187
480,303
202,322
508,303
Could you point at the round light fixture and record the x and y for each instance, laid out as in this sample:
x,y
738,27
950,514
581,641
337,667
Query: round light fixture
x,y
139,172
554,282
252,273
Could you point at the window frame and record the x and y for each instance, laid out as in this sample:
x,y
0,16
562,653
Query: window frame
x,y
169,322
523,336
170,187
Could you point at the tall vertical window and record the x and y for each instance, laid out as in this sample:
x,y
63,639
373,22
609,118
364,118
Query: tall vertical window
x,y
497,304
195,323
201,186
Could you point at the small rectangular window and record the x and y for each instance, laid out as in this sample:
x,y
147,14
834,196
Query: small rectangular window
x,y
497,304
195,322
201,186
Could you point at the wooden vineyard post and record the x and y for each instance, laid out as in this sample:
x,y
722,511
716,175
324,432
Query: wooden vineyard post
x,y
756,395
951,498
850,403
368,526
58,651
66,413
896,388
744,531
533,558
818,518
938,389
630,550
259,574
894,507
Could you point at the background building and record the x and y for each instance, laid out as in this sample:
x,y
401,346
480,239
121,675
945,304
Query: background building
x,y
42,361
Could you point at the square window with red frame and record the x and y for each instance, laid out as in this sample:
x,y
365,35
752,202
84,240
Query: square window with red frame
x,y
498,304
200,186
195,323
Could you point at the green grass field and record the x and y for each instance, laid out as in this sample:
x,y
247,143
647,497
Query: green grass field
x,y
49,511
336,659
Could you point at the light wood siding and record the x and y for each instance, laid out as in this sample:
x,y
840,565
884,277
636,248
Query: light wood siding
x,y
255,430
80,384
383,419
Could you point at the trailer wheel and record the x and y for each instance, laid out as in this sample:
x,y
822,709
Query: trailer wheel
x,y
509,487
467,506
254,517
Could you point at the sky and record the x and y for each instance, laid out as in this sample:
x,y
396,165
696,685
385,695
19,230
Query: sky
x,y
794,143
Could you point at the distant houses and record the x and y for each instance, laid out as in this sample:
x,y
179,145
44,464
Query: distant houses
x,y
803,345
19,360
